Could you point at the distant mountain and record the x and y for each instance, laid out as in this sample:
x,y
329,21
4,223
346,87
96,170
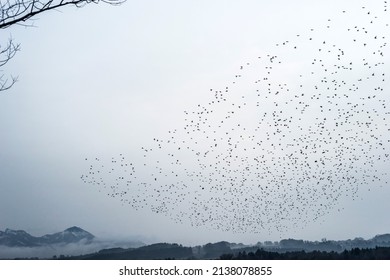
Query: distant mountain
x,y
158,251
213,250
70,235
20,238
94,249
332,245
223,248
382,238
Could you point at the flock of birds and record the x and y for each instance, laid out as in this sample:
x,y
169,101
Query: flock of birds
x,y
281,145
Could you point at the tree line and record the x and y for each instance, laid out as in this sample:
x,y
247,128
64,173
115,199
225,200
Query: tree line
x,y
378,253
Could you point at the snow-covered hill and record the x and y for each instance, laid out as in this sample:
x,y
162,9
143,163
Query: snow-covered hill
x,y
20,238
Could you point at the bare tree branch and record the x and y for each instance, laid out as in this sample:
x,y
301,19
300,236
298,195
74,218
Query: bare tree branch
x,y
18,12
6,54
5,84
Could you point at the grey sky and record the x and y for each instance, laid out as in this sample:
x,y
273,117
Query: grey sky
x,y
101,81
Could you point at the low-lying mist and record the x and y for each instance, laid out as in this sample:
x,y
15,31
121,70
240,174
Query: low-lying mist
x,y
48,252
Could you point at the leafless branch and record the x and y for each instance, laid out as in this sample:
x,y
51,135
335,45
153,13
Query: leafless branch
x,y
17,12
6,84
6,54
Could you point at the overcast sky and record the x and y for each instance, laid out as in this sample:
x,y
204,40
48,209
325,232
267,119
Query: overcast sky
x,y
101,81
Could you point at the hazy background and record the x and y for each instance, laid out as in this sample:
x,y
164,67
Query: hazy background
x,y
104,80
